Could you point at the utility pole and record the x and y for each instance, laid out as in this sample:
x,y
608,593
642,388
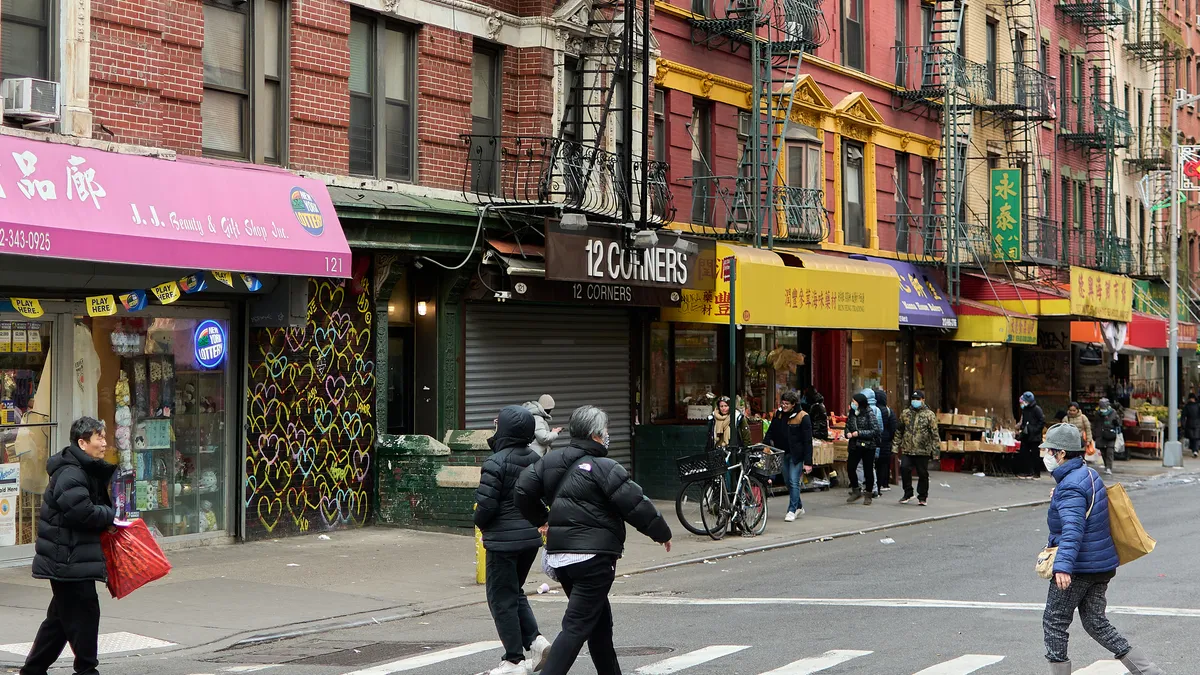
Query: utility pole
x,y
1172,450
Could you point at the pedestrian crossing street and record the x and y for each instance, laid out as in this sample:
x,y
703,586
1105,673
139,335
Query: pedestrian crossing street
x,y
708,660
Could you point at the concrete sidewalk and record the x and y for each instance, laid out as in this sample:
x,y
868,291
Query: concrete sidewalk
x,y
222,595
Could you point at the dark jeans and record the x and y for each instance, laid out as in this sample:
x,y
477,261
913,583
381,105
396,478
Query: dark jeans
x,y
73,617
588,617
793,472
515,623
1030,459
883,469
921,464
866,455
1106,452
1088,597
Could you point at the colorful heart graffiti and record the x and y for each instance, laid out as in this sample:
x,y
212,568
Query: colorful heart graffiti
x,y
310,429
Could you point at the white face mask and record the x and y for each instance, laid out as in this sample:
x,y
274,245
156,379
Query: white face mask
x,y
605,438
1050,461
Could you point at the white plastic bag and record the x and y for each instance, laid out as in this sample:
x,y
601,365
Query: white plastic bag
x,y
1119,445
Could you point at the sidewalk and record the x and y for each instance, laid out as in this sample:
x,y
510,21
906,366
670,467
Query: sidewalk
x,y
221,595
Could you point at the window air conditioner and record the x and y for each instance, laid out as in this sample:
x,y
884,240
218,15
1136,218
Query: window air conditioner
x,y
30,99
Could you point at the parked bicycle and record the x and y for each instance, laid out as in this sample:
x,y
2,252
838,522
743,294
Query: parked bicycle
x,y
726,490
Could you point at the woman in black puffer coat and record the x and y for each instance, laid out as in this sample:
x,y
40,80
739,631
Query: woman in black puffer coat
x,y
76,509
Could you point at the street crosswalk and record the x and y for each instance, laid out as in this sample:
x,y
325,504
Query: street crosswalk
x,y
720,658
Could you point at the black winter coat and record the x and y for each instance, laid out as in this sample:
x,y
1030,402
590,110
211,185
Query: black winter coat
x,y
76,509
865,424
820,419
505,530
888,435
1191,420
793,433
590,498
1033,422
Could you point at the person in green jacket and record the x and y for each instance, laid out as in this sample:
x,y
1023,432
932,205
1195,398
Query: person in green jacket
x,y
918,440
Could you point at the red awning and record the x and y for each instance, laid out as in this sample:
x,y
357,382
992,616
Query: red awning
x,y
1146,331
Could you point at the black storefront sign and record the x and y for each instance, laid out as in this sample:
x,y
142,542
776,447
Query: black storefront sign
x,y
600,255
533,289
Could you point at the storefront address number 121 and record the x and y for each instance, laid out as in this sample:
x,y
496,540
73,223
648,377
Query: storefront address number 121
x,y
334,264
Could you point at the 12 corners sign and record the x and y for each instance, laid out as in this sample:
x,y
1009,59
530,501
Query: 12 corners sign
x,y
600,254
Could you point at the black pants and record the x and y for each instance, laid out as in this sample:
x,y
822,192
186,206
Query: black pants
x,y
866,455
883,469
73,617
1031,458
588,618
921,464
515,623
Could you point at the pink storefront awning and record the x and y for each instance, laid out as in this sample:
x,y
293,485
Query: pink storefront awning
x,y
74,203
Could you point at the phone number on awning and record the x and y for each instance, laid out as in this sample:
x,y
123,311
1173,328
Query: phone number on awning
x,y
24,240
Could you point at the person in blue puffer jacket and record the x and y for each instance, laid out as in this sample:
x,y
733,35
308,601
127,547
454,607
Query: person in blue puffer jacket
x,y
1087,557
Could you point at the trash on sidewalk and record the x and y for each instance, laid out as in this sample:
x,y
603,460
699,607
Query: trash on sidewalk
x,y
946,485
292,565
980,475
1002,510
543,589
887,540
323,537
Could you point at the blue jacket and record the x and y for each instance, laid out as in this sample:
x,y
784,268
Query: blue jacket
x,y
870,394
1083,548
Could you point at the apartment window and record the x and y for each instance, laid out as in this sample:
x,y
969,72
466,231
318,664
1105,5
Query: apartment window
x,y
660,125
902,210
961,38
1064,88
854,229
1044,58
1077,90
804,157
1077,204
1187,77
1064,201
381,94
701,161
1143,243
244,109
1128,219
902,54
26,38
485,118
926,24
992,30
702,7
852,34
1127,99
572,126
1141,118
1047,195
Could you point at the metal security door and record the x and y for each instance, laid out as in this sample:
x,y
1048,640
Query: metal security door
x,y
580,357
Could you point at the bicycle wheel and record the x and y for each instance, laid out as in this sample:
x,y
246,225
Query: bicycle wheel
x,y
691,501
715,508
752,498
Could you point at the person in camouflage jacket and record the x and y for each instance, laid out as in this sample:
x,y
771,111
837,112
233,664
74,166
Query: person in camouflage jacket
x,y
917,439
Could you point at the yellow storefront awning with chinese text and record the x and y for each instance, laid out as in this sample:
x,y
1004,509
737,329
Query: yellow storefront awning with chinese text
x,y
796,289
1101,295
979,322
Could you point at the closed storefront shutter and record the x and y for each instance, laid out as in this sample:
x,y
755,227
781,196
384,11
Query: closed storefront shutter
x,y
580,357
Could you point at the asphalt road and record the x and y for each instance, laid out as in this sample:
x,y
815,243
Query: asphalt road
x,y
954,597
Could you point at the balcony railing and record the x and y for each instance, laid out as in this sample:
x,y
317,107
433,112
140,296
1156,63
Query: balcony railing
x,y
1149,149
789,25
927,73
559,173
1095,123
1097,12
723,207
1042,241
802,214
920,237
1155,37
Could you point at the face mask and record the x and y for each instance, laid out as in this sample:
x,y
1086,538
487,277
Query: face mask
x,y
604,439
854,406
1104,409
917,404
1022,404
1050,461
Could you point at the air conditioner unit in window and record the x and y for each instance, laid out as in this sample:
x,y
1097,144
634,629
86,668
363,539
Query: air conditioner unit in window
x,y
26,98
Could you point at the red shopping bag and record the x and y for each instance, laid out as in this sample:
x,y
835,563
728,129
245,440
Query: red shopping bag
x,y
133,558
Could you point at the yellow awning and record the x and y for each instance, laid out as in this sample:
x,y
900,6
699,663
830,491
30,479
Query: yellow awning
x,y
797,289
979,322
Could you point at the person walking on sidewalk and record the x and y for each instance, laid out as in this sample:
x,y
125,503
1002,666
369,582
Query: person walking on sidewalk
x,y
1086,560
588,497
1029,433
510,542
727,427
863,430
1108,427
883,465
917,441
791,431
543,435
819,415
75,510
1075,416
1191,424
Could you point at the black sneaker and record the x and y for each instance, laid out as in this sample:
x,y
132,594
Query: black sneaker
x,y
855,495
922,503
905,500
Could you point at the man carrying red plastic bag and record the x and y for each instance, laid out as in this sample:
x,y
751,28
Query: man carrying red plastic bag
x,y
76,512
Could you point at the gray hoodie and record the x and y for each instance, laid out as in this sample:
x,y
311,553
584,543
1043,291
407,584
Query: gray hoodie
x,y
543,436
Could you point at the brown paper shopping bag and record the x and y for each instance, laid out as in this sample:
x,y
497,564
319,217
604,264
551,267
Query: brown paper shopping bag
x,y
1131,540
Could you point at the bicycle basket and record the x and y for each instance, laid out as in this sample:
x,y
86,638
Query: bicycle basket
x,y
765,464
707,465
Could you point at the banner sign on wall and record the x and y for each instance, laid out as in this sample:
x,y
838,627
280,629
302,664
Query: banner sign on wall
x,y
10,483
1006,215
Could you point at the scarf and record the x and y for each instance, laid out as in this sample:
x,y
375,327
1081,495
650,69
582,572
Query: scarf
x,y
721,429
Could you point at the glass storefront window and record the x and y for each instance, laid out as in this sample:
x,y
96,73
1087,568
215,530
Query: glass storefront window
x,y
772,356
875,363
697,370
27,432
159,386
662,406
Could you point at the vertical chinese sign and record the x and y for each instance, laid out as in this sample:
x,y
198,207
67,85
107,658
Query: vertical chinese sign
x,y
1006,215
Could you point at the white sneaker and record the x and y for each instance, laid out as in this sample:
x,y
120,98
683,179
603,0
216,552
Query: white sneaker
x,y
799,512
791,515
539,651
1108,472
510,668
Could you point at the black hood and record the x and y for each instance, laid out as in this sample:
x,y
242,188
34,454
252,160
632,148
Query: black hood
x,y
862,402
817,397
514,428
589,447
72,454
880,398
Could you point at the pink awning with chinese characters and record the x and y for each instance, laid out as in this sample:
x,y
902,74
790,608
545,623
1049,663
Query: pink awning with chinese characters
x,y
73,203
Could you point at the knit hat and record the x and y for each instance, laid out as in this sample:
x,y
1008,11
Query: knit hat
x,y
1063,437
1104,402
1027,397
918,395
546,401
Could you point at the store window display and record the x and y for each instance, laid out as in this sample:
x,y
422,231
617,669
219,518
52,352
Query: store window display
x,y
772,359
27,433
159,386
875,362
685,371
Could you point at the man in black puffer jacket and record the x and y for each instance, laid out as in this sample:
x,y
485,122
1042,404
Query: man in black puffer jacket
x,y
76,508
511,542
590,499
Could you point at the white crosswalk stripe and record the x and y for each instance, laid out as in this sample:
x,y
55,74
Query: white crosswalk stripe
x,y
816,664
1105,667
962,665
685,661
414,662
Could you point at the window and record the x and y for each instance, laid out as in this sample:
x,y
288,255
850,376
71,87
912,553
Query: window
x,y
1047,195
853,223
1141,119
1077,90
381,95
244,109
660,125
1078,204
1187,77
1064,201
928,184
852,34
902,54
902,220
701,160
686,365
1044,58
926,24
804,157
1143,243
993,162
992,29
702,7
572,123
1064,89
26,44
1128,219
485,118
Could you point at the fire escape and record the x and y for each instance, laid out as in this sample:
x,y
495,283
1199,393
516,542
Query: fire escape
x,y
591,167
937,76
758,204
1094,123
